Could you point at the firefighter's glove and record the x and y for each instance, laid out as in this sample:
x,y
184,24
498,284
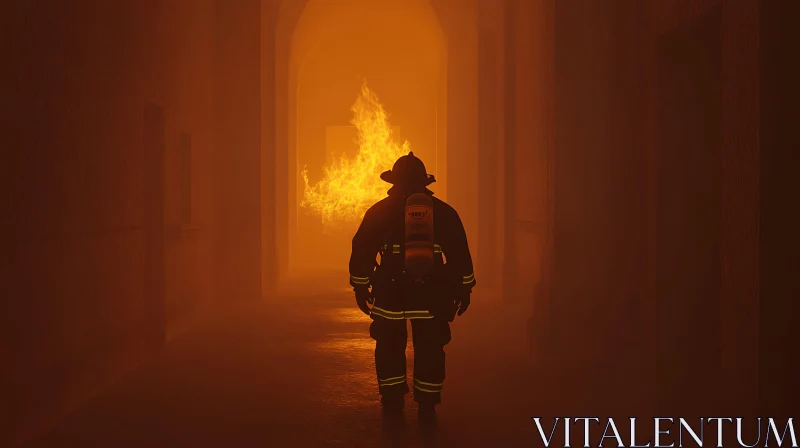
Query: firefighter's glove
x,y
364,298
462,301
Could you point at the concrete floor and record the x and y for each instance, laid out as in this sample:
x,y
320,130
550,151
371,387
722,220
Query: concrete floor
x,y
300,372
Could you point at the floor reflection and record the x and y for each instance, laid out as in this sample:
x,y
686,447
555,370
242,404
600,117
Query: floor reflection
x,y
349,344
346,315
300,380
349,374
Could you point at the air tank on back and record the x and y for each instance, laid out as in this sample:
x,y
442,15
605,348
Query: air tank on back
x,y
419,235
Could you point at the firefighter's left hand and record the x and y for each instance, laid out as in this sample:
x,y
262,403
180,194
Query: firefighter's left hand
x,y
463,303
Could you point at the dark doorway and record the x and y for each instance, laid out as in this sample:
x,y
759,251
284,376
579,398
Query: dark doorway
x,y
689,212
154,250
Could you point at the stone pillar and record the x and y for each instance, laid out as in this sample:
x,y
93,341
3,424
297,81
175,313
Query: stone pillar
x,y
269,237
238,149
509,153
740,205
490,126
459,21
600,325
778,221
689,152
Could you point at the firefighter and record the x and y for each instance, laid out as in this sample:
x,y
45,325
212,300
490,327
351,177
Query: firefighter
x,y
389,271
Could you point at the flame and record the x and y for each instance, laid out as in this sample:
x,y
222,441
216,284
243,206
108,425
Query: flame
x,y
350,187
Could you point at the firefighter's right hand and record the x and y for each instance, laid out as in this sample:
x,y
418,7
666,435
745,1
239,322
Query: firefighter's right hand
x,y
364,299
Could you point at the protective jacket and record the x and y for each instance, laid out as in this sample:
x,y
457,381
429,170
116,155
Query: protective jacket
x,y
377,260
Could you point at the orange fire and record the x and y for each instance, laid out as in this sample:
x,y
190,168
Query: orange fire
x,y
350,187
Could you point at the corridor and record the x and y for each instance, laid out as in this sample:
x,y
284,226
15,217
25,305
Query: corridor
x,y
622,171
299,371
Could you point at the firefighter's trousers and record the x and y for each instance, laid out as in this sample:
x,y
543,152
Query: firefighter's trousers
x,y
429,336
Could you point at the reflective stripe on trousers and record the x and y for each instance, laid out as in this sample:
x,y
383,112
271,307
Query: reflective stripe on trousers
x,y
429,337
392,381
401,315
423,386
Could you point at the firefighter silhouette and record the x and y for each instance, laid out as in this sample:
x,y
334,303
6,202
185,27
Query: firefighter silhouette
x,y
410,261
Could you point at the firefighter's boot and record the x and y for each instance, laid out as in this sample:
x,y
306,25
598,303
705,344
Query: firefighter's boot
x,y
427,414
393,403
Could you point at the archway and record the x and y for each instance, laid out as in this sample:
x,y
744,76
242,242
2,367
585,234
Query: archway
x,y
399,49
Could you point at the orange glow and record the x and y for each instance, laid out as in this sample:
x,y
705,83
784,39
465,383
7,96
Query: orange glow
x,y
351,186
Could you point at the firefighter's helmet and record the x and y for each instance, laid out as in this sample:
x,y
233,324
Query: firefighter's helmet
x,y
408,171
